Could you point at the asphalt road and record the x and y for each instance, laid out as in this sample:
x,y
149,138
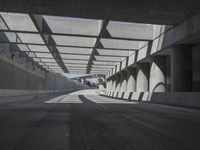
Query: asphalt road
x,y
80,121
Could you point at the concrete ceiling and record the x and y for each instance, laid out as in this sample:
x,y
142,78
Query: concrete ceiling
x,y
141,11
73,44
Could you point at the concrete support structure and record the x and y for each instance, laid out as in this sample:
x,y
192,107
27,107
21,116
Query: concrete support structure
x,y
123,81
142,84
83,81
18,76
131,79
118,85
109,86
113,85
181,68
157,80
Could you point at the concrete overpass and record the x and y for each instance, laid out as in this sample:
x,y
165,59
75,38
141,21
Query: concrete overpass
x,y
159,11
147,50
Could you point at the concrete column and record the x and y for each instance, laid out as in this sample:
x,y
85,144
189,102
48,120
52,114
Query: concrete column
x,y
82,81
118,85
181,68
123,77
109,86
157,81
131,79
123,81
118,82
113,85
142,83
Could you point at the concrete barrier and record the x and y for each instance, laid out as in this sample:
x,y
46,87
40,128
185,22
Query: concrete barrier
x,y
15,92
183,99
20,77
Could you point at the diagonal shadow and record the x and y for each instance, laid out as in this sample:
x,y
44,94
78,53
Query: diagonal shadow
x,y
84,99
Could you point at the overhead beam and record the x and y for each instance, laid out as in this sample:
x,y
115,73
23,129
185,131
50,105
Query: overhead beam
x,y
104,67
123,10
109,58
121,49
94,52
38,22
76,35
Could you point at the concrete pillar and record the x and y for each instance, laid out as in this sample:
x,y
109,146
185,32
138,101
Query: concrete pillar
x,y
131,79
123,78
181,68
118,82
157,81
109,86
82,81
142,83
123,81
113,85
79,80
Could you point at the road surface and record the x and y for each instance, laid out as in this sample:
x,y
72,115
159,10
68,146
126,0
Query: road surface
x,y
85,121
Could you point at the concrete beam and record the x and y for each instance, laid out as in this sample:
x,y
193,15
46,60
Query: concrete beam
x,y
142,84
94,52
187,32
157,79
38,21
157,11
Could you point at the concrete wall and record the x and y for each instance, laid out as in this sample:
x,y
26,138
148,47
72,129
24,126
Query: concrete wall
x,y
12,77
183,99
19,77
196,68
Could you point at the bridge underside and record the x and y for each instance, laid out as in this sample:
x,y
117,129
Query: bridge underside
x,y
146,11
141,51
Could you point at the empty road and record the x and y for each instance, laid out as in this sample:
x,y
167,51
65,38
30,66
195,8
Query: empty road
x,y
85,121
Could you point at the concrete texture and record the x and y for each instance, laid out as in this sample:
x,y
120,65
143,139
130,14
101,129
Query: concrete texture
x,y
87,122
165,37
196,68
182,99
12,77
17,77
142,84
109,86
113,85
157,11
118,85
131,77
181,68
123,80
157,79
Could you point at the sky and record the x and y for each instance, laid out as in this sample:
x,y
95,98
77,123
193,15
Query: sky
x,y
74,75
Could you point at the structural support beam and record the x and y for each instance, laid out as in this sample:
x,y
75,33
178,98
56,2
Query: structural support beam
x,y
46,32
143,77
128,10
114,81
109,86
181,68
131,79
123,81
94,52
39,24
157,80
118,85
